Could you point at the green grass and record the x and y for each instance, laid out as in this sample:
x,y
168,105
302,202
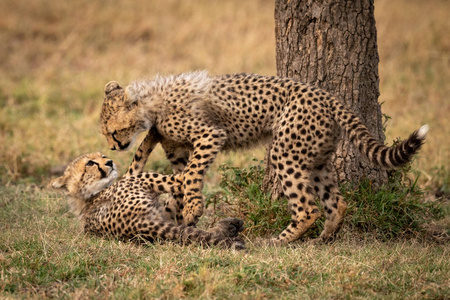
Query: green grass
x,y
243,197
394,210
55,58
44,254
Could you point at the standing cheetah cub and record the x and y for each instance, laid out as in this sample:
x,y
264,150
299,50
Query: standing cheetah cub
x,y
129,208
198,115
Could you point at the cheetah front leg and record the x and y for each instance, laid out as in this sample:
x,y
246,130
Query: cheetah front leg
x,y
178,157
206,146
158,183
162,183
143,152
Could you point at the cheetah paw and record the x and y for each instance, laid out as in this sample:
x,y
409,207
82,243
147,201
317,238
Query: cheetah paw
x,y
230,227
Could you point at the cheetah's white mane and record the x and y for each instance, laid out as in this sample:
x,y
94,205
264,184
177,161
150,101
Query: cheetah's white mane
x,y
156,89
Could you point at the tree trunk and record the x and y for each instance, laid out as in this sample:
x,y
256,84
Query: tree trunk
x,y
333,44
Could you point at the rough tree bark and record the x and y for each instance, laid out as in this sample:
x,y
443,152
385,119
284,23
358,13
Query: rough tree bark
x,y
333,44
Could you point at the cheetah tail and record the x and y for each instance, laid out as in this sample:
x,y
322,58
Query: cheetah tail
x,y
378,153
186,235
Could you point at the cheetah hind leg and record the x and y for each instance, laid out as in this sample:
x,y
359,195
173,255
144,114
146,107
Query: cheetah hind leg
x,y
325,184
296,183
304,211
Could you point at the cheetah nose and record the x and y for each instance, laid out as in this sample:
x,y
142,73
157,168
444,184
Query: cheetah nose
x,y
113,148
109,163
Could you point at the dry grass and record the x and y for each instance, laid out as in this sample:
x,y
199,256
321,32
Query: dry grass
x,y
56,56
54,62
414,78
44,255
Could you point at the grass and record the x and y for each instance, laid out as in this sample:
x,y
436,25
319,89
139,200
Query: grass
x,y
242,196
45,255
414,71
396,210
55,58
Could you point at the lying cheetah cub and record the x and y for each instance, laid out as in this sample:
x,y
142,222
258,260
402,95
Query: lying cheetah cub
x,y
129,208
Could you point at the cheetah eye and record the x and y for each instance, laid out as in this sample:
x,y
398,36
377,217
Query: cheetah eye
x,y
90,163
103,156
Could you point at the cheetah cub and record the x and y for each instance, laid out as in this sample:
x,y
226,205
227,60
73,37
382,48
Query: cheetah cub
x,y
129,209
198,115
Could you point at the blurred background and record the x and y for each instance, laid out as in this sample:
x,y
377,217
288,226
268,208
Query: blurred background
x,y
56,57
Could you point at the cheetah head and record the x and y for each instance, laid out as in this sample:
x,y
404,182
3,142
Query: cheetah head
x,y
121,117
86,176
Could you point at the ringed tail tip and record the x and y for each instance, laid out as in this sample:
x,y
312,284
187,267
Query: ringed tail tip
x,y
422,132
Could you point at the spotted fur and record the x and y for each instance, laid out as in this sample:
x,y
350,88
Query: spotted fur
x,y
129,209
198,115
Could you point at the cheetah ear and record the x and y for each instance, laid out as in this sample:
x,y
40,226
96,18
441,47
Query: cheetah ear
x,y
58,183
112,86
